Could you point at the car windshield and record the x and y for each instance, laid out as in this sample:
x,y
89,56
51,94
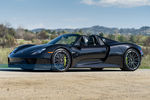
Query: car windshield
x,y
65,39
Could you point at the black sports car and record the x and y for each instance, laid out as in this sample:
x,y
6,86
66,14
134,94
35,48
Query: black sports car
x,y
77,51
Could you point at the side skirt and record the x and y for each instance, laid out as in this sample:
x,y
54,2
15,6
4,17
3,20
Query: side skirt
x,y
96,65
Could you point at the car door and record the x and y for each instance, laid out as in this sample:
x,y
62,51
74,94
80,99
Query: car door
x,y
91,50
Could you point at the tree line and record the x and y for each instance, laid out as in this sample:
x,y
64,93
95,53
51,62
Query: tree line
x,y
9,36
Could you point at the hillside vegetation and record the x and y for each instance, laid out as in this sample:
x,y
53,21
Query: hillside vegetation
x,y
145,30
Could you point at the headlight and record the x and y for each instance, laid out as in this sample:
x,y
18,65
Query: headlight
x,y
38,51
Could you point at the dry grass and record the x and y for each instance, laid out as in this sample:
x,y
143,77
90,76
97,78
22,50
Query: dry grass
x,y
4,55
145,62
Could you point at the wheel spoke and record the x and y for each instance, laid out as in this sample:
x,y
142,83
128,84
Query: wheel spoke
x,y
135,64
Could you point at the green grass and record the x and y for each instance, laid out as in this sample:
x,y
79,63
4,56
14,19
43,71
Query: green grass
x,y
4,66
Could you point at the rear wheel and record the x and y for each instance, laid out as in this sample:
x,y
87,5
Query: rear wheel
x,y
132,60
61,60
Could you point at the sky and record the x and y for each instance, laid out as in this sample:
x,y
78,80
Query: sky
x,y
53,14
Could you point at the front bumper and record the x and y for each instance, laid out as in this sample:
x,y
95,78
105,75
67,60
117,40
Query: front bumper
x,y
29,63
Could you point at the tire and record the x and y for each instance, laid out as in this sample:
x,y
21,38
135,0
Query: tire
x,y
97,69
132,60
61,60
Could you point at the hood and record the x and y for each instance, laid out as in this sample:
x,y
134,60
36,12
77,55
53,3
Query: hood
x,y
26,49
35,47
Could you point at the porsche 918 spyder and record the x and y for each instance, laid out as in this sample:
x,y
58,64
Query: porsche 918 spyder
x,y
77,51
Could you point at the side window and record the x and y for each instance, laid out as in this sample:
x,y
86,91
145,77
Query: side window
x,y
84,42
101,41
92,42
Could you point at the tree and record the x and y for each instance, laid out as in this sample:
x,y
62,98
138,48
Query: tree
x,y
121,38
79,31
53,36
101,34
9,41
111,36
63,32
19,33
53,32
7,36
49,31
132,39
12,32
147,42
43,35
29,36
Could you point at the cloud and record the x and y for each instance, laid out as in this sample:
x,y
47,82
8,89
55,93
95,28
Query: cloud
x,y
117,3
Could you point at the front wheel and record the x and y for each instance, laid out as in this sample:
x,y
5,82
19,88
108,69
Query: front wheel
x,y
61,60
132,60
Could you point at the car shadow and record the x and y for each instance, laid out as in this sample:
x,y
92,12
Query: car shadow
x,y
70,70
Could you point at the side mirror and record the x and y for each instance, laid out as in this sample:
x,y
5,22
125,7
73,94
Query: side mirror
x,y
77,45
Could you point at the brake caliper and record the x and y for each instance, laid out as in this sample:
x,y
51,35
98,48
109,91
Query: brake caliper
x,y
65,61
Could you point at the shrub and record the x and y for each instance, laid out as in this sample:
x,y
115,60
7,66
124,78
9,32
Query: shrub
x,y
45,41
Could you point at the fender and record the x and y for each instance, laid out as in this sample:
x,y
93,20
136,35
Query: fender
x,y
22,47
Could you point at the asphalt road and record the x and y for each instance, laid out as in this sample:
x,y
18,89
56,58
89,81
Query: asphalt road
x,y
76,84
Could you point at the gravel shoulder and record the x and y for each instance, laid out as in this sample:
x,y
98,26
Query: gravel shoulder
x,y
74,85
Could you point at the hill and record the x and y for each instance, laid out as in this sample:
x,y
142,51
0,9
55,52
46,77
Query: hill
x,y
145,30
